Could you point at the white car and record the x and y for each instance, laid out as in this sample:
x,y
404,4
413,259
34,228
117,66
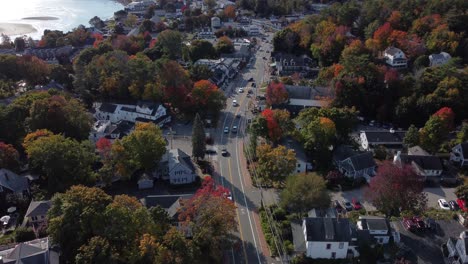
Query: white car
x,y
241,90
443,204
234,102
226,130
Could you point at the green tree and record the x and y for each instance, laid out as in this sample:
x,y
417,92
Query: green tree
x,y
411,137
61,161
304,192
140,150
224,45
462,192
198,138
433,134
462,135
275,164
200,72
170,42
162,218
97,250
201,49
23,234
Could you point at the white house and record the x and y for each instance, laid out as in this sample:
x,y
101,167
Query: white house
x,y
439,59
302,163
252,30
424,165
378,228
177,167
459,154
141,112
327,238
111,131
388,139
139,6
353,164
458,249
215,22
395,58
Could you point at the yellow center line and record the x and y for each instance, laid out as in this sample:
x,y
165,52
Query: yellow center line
x,y
237,213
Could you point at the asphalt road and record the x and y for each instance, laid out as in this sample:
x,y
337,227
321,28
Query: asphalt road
x,y
232,171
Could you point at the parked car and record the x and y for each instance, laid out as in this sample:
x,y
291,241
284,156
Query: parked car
x,y
253,85
250,79
250,91
421,225
443,204
409,224
431,224
226,130
210,151
356,204
347,205
241,90
224,152
238,115
461,204
234,102
453,206
234,129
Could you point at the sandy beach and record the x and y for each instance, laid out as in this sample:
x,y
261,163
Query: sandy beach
x,y
43,18
13,29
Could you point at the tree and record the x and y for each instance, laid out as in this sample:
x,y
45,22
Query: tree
x,y
278,123
276,93
433,134
176,249
162,218
61,161
201,49
411,137
200,72
20,44
395,189
170,42
97,22
97,250
462,135
23,234
198,138
140,150
304,192
230,11
212,219
462,192
207,99
175,82
319,135
275,164
329,42
9,157
33,70
224,45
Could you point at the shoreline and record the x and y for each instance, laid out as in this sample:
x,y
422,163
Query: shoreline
x,y
42,18
13,29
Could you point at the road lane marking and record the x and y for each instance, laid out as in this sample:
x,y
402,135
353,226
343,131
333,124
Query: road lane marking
x,y
237,213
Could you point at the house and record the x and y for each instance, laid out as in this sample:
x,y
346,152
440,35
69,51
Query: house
x,y
354,164
109,130
378,228
252,30
10,182
439,59
140,6
288,64
145,182
422,163
36,214
395,58
141,112
171,204
324,238
177,167
459,154
458,249
301,97
302,163
389,139
37,251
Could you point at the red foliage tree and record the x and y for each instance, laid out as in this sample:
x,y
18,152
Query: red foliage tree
x,y
382,35
9,157
98,38
447,115
104,146
276,93
396,188
274,129
391,75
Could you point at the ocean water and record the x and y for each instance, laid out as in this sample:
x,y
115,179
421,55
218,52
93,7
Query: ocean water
x,y
70,13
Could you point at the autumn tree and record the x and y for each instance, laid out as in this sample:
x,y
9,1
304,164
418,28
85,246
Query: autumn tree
x,y
224,45
9,157
207,99
276,93
200,72
201,49
170,42
278,124
411,137
198,138
212,218
462,192
436,129
304,192
329,41
230,11
395,189
61,161
33,70
462,135
275,164
175,82
140,150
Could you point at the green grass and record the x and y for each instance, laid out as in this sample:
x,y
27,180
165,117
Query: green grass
x,y
7,239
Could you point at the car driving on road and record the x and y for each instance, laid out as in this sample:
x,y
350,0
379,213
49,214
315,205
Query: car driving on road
x,y
226,130
234,129
224,152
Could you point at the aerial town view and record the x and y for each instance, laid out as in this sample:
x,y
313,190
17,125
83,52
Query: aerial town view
x,y
234,131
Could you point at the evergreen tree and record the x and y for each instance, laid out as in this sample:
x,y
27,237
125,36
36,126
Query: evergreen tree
x,y
198,138
411,137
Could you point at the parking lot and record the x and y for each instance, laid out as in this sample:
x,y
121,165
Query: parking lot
x,y
425,247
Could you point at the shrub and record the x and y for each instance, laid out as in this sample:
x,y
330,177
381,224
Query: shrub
x,y
23,234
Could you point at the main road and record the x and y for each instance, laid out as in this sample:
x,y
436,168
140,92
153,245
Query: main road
x,y
232,169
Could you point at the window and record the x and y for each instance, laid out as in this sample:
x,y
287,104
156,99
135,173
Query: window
x,y
298,165
333,255
341,245
328,246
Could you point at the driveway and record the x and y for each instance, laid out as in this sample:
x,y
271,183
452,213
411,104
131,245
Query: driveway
x,y
433,194
425,247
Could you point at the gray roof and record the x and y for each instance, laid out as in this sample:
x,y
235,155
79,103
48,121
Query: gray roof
x,y
12,181
425,162
363,161
182,158
385,137
464,147
298,236
328,229
392,50
374,223
307,92
165,201
38,208
108,108
26,254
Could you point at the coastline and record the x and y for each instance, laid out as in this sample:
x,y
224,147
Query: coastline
x,y
43,18
13,29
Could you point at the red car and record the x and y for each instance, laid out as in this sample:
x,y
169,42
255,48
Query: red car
x,y
461,204
419,222
409,224
356,204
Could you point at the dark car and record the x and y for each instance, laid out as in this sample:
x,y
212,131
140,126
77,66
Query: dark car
x,y
253,85
453,206
251,79
347,205
224,152
421,225
250,92
431,224
210,151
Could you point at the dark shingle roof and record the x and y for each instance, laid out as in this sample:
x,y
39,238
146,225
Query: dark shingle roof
x,y
363,161
185,160
425,162
108,108
386,137
374,223
38,208
464,147
165,201
328,229
12,181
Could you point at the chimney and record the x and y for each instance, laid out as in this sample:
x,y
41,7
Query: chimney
x,y
392,130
